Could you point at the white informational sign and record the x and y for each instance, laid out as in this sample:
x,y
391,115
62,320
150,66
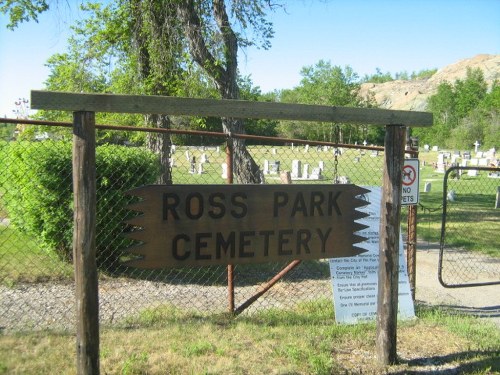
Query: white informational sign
x,y
410,180
355,279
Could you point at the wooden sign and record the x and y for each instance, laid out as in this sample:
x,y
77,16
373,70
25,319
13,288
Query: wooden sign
x,y
204,225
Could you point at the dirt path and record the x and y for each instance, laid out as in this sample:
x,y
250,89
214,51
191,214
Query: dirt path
x,y
483,301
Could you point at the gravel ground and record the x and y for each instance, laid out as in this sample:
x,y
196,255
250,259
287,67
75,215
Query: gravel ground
x,y
51,305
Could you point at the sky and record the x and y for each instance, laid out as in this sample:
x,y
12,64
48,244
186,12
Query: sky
x,y
391,35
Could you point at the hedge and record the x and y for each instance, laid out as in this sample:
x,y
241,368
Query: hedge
x,y
39,196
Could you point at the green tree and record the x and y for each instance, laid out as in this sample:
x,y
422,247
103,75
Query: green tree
x,y
461,112
325,84
148,39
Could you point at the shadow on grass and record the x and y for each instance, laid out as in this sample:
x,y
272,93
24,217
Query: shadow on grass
x,y
469,362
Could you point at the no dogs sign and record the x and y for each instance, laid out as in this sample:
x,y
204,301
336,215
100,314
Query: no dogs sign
x,y
410,180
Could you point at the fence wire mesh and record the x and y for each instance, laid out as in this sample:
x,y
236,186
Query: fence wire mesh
x,y
470,227
36,219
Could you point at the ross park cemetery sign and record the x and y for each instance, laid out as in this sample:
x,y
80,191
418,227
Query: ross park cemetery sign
x,y
203,225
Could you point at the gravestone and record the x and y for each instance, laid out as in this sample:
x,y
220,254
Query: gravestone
x,y
479,154
472,172
192,167
374,154
426,148
435,148
274,151
451,196
188,155
305,171
476,146
484,162
344,180
200,168
204,158
218,149
466,155
321,165
316,174
274,167
224,170
266,166
172,149
172,162
306,148
441,165
296,169
427,187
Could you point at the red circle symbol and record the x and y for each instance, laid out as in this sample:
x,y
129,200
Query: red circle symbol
x,y
409,175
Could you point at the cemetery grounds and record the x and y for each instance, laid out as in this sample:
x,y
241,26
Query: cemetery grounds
x,y
301,337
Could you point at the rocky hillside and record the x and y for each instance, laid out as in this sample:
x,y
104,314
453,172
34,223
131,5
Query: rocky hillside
x,y
412,95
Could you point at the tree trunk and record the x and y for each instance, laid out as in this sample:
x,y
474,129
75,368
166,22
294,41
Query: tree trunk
x,y
160,143
224,72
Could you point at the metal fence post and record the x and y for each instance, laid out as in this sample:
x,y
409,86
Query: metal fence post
x,y
230,267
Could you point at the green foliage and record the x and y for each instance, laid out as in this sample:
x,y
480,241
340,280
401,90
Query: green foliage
x,y
324,84
380,77
39,197
20,11
463,113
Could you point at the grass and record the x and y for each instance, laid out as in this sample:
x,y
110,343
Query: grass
x,y
305,340
471,222
22,260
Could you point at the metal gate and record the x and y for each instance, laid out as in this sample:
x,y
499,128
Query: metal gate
x,y
470,231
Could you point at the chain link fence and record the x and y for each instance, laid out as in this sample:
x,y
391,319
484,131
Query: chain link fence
x,y
470,243
36,218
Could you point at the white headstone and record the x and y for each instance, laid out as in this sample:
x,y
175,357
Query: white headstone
x,y
365,143
274,151
172,149
451,196
426,147
476,146
266,166
218,149
427,187
296,169
472,172
316,174
200,168
321,165
172,162
305,171
306,148
484,162
435,148
204,158
224,170
188,155
474,162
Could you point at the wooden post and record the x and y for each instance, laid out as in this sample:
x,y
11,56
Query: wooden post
x,y
84,252
387,308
